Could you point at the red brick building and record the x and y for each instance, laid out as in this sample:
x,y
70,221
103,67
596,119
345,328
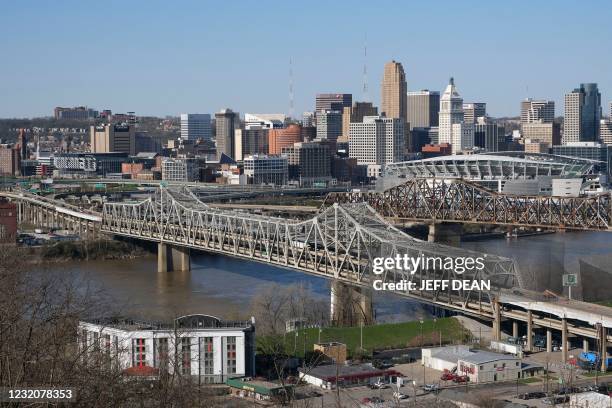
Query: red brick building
x,y
8,222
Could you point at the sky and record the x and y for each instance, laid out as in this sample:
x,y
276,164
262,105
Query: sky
x,y
167,57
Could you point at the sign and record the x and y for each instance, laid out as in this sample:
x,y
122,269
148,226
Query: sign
x,y
570,279
99,185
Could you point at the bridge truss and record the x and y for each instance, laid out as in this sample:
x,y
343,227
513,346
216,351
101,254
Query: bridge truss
x,y
457,200
339,243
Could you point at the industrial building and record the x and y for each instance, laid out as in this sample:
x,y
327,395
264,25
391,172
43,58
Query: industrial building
x,y
326,376
194,345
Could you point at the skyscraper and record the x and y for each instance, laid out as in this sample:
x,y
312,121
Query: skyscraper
x,y
377,140
394,97
452,128
329,125
113,138
227,122
356,113
280,138
473,111
195,126
537,111
582,114
333,101
423,108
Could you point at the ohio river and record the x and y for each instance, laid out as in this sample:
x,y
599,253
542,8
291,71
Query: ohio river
x,y
224,286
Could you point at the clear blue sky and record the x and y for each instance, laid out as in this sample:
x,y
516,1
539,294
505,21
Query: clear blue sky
x,y
167,57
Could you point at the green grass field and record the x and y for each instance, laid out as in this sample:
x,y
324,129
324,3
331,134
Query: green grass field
x,y
379,337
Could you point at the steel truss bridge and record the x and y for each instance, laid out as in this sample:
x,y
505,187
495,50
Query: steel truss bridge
x,y
460,201
340,243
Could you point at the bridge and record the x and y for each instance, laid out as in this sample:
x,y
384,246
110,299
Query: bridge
x,y
436,200
341,243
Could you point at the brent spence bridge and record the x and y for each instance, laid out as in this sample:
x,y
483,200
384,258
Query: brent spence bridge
x,y
435,200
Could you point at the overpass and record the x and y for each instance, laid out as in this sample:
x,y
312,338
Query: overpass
x,y
340,243
444,200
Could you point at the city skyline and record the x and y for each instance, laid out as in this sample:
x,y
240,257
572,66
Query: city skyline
x,y
162,61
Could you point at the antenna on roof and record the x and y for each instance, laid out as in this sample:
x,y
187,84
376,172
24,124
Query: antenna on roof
x,y
290,87
365,68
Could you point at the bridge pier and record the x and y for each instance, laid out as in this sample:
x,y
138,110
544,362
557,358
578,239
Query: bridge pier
x,y
350,305
585,344
529,330
445,233
515,331
603,345
549,340
172,258
496,321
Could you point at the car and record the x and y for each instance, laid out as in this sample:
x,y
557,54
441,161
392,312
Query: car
x,y
381,385
400,396
430,387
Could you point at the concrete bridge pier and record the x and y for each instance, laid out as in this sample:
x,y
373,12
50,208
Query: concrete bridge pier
x,y
445,233
350,305
529,331
515,329
172,258
564,340
549,340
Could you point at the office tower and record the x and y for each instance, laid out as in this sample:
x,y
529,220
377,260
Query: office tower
x,y
605,131
181,169
377,140
195,126
473,111
113,138
610,113
251,140
9,160
489,135
264,120
279,138
309,162
423,108
333,101
537,111
452,129
22,141
543,132
329,125
582,114
394,93
309,119
227,121
355,113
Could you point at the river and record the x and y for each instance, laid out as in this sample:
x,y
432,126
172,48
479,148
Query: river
x,y
224,286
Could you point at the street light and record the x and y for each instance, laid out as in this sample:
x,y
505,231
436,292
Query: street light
x,y
422,359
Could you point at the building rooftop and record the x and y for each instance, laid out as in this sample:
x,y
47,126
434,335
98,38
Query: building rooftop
x,y
196,321
452,354
330,372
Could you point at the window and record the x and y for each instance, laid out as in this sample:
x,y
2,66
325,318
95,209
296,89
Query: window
x,y
186,355
160,348
231,354
139,353
207,363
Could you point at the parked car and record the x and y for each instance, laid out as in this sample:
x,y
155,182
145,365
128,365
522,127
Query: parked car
x,y
430,387
399,396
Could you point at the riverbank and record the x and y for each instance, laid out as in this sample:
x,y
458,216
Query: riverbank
x,y
89,250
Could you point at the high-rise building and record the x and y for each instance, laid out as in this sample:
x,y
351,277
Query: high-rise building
x,y
537,111
489,135
473,111
333,101
76,113
605,131
227,121
394,92
113,138
280,138
610,113
309,119
195,126
22,141
582,114
9,160
355,113
377,140
452,129
423,108
543,132
251,140
329,125
181,169
309,162
263,169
